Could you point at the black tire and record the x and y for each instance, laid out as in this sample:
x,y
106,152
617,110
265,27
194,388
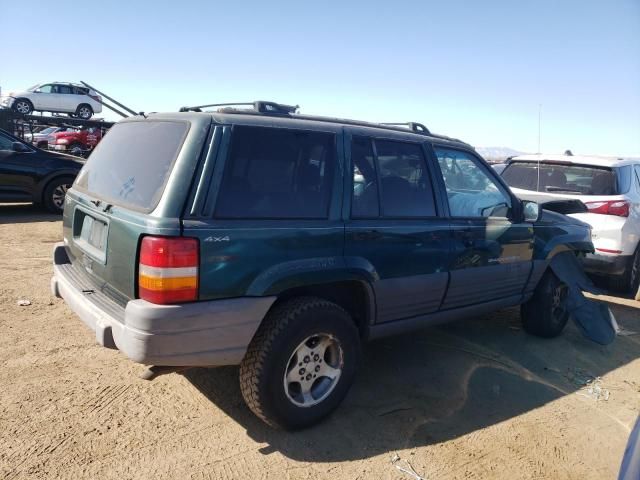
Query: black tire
x,y
629,281
52,193
76,149
545,314
273,353
84,111
23,106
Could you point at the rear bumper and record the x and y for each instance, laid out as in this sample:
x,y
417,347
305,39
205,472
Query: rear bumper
x,y
210,333
605,265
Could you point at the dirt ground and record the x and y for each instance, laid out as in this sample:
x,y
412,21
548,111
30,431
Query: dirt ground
x,y
475,399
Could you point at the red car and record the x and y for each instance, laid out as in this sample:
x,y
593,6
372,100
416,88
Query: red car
x,y
77,142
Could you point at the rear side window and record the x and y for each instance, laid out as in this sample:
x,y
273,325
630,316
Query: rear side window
x,y
130,166
390,182
405,187
277,173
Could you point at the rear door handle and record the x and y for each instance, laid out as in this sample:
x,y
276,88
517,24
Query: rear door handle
x,y
465,237
368,235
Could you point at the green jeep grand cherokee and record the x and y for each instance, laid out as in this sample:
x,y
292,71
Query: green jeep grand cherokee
x,y
280,242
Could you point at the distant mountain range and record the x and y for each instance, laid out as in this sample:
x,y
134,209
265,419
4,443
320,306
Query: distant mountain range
x,y
497,154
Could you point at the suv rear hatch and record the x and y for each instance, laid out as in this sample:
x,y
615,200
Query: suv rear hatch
x,y
135,183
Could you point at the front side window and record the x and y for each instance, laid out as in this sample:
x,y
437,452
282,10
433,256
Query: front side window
x,y
64,89
44,89
277,173
470,189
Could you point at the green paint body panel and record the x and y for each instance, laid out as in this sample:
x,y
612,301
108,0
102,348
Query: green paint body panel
x,y
413,266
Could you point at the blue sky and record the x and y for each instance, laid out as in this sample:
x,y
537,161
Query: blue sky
x,y
476,70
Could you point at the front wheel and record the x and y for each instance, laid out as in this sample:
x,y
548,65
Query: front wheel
x,y
301,363
545,314
23,106
54,194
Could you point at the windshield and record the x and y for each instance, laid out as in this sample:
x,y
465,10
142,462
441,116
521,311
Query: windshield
x,y
562,178
31,89
131,165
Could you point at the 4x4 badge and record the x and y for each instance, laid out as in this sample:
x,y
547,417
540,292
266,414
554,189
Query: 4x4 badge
x,y
217,239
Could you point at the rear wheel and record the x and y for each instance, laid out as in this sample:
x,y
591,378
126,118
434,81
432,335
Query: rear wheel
x,y
84,111
55,192
629,281
23,106
76,149
301,363
545,314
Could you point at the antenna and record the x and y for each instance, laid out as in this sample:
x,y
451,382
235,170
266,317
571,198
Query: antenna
x,y
539,116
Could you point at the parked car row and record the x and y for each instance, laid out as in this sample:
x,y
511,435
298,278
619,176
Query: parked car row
x,y
29,174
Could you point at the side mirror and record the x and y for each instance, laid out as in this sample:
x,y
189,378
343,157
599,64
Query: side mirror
x,y
531,211
19,147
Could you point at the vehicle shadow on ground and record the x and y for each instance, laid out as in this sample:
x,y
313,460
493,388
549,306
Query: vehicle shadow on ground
x,y
25,213
436,385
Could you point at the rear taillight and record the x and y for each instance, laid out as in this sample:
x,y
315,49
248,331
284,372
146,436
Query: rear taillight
x,y
609,207
97,98
168,270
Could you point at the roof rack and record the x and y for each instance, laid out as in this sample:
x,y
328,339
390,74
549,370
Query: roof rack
x,y
413,126
272,108
259,106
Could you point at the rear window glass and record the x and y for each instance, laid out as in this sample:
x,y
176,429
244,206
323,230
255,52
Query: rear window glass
x,y
560,178
277,173
130,166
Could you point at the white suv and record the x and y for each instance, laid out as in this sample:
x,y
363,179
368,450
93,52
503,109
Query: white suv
x,y
609,187
59,97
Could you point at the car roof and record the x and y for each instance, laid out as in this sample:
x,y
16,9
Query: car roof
x,y
312,122
595,160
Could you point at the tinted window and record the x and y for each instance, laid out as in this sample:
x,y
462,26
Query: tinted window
x,y
567,179
131,165
365,183
6,143
405,187
623,179
277,173
471,191
66,89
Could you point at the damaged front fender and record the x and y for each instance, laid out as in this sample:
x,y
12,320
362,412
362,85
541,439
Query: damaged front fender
x,y
555,233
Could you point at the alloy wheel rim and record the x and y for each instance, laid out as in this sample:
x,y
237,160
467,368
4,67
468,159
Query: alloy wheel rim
x,y
58,195
84,112
558,298
22,107
313,370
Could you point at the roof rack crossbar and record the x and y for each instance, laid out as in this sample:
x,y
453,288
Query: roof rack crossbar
x,y
413,126
260,106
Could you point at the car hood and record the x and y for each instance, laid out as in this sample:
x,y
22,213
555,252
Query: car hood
x,y
63,156
549,216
